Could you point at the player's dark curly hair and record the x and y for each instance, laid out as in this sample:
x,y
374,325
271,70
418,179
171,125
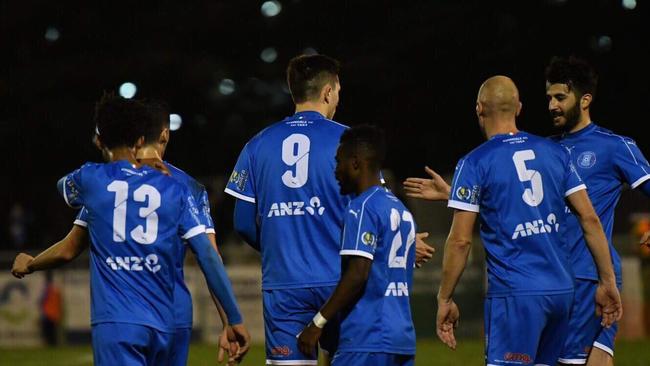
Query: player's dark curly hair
x,y
307,74
576,73
368,141
120,122
158,121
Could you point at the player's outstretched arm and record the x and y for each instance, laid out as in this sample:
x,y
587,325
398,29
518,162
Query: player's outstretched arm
x,y
457,249
423,251
348,289
434,189
608,299
245,222
219,284
55,256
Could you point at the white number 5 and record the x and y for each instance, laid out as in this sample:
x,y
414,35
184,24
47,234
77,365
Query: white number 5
x,y
532,196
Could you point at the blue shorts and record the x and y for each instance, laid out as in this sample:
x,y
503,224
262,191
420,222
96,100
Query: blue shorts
x,y
585,330
372,359
286,313
526,329
130,345
181,347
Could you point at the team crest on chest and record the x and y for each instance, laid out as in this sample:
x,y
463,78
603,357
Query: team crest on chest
x,y
587,159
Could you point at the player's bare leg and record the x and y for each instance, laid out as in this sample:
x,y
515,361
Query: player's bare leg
x,y
598,357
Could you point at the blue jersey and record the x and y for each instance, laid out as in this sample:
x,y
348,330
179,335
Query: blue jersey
x,y
380,228
135,218
287,170
518,182
605,161
182,296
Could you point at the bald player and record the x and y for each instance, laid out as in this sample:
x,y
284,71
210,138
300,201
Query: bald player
x,y
517,184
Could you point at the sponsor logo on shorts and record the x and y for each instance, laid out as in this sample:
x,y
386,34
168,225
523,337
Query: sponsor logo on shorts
x,y
522,358
283,351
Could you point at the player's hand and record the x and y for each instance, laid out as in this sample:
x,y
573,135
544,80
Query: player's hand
x,y
423,251
608,303
447,321
434,189
228,346
308,339
243,339
645,239
21,263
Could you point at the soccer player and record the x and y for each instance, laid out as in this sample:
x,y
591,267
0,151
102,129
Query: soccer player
x,y
605,162
521,207
133,271
378,255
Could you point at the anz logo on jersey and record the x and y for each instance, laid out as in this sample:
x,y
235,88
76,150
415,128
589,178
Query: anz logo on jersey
x,y
134,264
397,289
537,227
297,208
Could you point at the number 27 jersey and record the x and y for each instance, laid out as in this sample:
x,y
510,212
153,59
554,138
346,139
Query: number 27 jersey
x,y
136,217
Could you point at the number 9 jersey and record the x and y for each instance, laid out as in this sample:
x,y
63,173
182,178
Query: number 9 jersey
x,y
136,217
518,183
287,170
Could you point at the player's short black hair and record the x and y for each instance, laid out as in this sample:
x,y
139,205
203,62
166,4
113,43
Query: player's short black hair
x,y
307,74
576,73
120,122
158,121
368,141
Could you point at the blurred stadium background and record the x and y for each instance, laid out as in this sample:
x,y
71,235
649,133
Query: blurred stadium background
x,y
412,67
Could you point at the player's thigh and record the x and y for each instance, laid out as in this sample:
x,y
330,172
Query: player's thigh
x,y
372,359
180,347
585,331
329,339
120,344
513,327
286,313
557,308
160,348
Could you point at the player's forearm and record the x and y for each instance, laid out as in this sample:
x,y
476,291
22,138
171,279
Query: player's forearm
x,y
349,288
222,313
599,247
216,277
60,253
244,219
453,264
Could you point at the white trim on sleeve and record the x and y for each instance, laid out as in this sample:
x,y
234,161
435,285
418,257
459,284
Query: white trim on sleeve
x,y
359,253
65,194
572,361
639,181
239,195
210,230
198,229
574,190
81,223
463,206
604,348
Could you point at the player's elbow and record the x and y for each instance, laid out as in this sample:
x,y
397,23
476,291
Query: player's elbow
x,y
590,221
458,243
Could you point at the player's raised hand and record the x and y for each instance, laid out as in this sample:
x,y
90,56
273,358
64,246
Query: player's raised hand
x,y
447,321
21,263
434,189
308,339
608,303
645,239
423,251
228,346
243,340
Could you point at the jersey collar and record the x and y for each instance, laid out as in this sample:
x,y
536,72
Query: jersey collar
x,y
308,115
590,127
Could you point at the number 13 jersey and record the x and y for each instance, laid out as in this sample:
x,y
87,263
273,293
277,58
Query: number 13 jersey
x,y
517,183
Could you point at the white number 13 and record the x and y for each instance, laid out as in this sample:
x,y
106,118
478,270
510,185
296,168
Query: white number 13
x,y
141,234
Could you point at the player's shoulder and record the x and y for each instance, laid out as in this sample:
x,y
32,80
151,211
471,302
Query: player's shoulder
x,y
612,137
184,177
375,199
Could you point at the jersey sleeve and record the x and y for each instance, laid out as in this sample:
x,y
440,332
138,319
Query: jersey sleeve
x,y
631,163
71,188
465,187
204,212
241,184
189,224
572,180
360,231
82,218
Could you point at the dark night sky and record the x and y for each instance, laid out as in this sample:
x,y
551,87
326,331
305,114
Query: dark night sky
x,y
412,67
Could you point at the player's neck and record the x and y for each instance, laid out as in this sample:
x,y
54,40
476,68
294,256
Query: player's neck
x,y
585,121
503,127
124,153
148,152
313,107
367,181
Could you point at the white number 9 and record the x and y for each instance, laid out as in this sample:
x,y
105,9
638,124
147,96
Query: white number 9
x,y
295,152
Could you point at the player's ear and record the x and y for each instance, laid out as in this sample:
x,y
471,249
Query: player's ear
x,y
97,142
585,101
479,108
139,142
164,136
326,94
518,109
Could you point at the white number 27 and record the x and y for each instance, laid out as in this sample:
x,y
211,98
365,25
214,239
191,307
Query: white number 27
x,y
394,260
